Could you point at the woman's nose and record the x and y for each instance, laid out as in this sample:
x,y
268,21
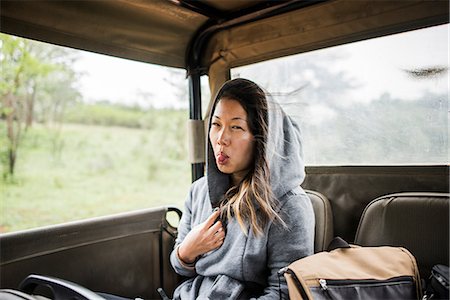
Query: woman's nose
x,y
223,138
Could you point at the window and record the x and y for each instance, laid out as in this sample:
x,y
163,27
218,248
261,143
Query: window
x,y
206,94
91,135
374,102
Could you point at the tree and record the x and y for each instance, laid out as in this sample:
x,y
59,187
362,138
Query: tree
x,y
29,70
19,67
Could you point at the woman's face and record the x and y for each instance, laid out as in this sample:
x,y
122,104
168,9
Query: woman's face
x,y
231,139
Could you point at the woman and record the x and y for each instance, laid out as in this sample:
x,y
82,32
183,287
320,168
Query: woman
x,y
248,217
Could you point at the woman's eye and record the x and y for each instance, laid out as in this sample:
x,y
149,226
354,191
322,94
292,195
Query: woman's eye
x,y
237,127
215,124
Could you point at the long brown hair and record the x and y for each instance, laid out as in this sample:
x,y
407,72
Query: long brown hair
x,y
252,199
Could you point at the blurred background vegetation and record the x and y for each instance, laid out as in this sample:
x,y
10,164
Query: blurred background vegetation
x,y
64,159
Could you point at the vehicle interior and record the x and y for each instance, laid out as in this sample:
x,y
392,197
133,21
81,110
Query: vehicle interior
x,y
368,204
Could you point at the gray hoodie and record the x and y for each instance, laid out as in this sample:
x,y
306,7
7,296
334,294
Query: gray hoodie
x,y
246,266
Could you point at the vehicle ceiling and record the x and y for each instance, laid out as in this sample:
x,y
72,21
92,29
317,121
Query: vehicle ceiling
x,y
155,31
212,34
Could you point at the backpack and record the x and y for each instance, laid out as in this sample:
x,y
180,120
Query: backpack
x,y
438,283
354,272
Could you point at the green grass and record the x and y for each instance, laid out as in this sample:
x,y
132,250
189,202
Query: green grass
x,y
90,170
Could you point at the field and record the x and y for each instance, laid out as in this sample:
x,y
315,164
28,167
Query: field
x,y
82,171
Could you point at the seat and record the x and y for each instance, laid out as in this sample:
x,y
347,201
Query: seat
x,y
417,221
324,220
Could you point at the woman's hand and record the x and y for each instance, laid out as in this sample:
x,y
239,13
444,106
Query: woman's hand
x,y
202,238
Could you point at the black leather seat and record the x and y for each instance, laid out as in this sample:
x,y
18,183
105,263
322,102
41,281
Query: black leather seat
x,y
417,221
324,220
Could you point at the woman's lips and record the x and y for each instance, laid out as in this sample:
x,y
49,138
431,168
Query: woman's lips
x,y
222,158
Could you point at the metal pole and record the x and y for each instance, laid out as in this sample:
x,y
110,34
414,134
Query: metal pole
x,y
195,113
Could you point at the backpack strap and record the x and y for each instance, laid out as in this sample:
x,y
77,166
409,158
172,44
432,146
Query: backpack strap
x,y
337,243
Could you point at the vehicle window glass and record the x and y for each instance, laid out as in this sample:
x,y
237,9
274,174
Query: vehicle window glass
x,y
84,135
374,102
206,94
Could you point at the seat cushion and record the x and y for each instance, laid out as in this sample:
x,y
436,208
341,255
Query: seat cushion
x,y
324,220
416,221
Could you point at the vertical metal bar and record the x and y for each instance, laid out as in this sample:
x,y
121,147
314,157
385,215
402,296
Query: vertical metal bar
x,y
195,113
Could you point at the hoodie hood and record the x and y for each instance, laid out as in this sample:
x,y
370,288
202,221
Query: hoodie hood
x,y
283,153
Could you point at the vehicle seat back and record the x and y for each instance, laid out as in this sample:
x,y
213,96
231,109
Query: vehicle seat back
x,y
417,221
324,220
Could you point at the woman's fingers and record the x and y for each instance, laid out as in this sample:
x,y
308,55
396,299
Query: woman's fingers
x,y
203,238
215,228
219,236
217,242
216,235
206,236
212,218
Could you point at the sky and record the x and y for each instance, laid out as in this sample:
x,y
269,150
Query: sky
x,y
127,82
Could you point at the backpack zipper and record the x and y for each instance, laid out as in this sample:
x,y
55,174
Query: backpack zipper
x,y
323,284
326,283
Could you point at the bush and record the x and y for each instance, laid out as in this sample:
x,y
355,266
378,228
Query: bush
x,y
105,115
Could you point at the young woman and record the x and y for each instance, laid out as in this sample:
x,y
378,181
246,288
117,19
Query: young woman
x,y
248,217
